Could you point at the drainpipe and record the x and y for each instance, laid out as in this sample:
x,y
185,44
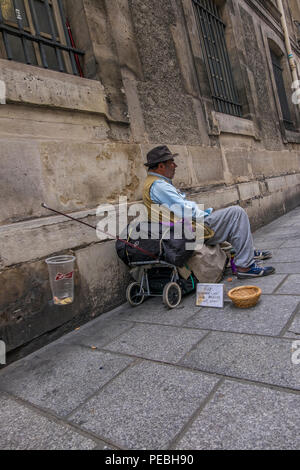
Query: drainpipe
x,y
288,46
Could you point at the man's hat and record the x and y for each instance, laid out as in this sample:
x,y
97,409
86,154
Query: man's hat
x,y
159,154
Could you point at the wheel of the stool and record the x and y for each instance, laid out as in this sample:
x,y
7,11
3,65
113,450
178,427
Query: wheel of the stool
x,y
172,294
133,295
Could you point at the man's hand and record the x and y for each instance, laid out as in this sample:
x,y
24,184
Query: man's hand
x,y
208,211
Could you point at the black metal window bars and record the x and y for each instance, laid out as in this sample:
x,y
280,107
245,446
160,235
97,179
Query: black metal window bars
x,y
211,31
39,38
278,74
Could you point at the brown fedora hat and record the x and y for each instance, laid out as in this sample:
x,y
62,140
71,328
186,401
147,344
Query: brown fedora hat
x,y
159,154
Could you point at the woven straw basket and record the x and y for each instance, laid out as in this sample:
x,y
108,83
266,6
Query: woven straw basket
x,y
245,296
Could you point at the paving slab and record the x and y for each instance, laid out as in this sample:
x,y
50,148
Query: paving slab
x,y
146,406
291,242
290,286
293,330
277,237
61,377
278,226
294,218
268,317
267,284
262,243
276,231
291,335
24,429
98,332
154,311
284,268
285,256
160,343
295,326
247,417
258,358
274,225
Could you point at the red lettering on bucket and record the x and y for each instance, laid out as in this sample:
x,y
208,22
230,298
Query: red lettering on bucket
x,y
60,276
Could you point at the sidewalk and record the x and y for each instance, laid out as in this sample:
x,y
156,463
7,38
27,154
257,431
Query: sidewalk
x,y
153,378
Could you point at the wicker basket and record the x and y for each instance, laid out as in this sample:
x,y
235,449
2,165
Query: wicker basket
x,y
245,296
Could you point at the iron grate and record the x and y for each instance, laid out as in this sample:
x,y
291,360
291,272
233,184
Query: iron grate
x,y
211,31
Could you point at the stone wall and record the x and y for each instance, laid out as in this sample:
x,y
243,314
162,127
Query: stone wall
x,y
75,143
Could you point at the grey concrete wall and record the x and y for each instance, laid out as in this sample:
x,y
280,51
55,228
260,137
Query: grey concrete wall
x,y
76,143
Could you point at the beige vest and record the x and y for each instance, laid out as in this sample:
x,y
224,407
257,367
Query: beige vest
x,y
158,213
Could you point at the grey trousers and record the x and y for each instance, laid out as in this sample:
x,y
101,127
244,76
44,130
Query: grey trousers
x,y
232,225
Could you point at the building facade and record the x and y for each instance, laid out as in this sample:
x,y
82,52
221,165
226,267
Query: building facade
x,y
87,87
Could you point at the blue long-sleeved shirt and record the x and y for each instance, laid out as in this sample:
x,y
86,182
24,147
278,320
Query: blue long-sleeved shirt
x,y
164,192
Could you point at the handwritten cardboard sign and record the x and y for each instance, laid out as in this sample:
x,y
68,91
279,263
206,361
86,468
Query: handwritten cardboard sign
x,y
210,295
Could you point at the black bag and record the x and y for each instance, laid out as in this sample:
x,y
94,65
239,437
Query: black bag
x,y
138,236
156,239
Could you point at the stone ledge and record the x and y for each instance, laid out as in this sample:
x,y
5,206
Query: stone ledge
x,y
39,238
268,11
271,8
50,235
43,221
276,184
281,183
217,198
227,124
26,84
292,137
249,190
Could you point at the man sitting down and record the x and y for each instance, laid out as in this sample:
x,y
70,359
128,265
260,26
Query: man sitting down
x,y
230,224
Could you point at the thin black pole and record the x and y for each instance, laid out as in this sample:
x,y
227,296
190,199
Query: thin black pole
x,y
21,29
5,39
95,228
63,20
38,34
53,34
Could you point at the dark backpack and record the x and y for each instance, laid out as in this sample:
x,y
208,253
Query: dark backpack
x,y
156,239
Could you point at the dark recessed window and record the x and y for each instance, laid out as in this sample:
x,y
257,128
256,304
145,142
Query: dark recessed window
x,y
36,32
211,30
278,74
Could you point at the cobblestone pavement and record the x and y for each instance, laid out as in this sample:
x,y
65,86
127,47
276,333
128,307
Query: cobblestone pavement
x,y
153,378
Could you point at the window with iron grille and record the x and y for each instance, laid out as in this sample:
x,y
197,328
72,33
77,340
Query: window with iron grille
x,y
278,74
36,32
211,30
